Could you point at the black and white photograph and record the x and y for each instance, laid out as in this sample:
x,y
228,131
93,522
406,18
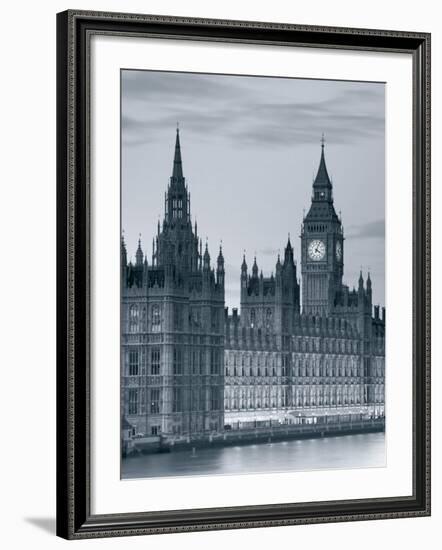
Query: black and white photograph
x,y
253,318
212,211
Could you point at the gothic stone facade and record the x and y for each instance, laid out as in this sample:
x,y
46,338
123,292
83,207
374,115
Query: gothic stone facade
x,y
189,366
173,327
327,358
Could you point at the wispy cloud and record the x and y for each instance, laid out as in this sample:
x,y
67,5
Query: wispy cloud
x,y
238,109
370,230
268,251
244,141
176,87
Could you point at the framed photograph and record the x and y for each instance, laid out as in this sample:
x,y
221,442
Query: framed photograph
x,y
243,274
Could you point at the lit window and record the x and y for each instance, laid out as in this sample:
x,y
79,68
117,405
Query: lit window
x,y
155,400
252,318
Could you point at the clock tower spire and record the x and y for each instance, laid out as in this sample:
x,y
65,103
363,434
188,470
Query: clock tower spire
x,y
322,247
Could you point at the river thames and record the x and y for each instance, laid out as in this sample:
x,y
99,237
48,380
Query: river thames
x,y
341,452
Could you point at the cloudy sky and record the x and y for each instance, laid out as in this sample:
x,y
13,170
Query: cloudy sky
x,y
251,148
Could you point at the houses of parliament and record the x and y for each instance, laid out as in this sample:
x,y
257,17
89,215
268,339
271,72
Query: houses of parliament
x,y
189,366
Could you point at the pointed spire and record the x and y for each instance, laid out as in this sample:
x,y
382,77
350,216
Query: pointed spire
x,y
206,257
255,268
220,267
361,280
123,251
177,174
289,244
244,264
220,256
278,264
139,254
288,252
201,254
322,178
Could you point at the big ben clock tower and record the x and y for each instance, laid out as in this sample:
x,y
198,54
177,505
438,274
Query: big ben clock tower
x,y
322,248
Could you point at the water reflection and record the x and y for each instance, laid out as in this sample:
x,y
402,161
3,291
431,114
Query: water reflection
x,y
352,451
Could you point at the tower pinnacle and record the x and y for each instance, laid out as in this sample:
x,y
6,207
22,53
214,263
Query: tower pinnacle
x,y
139,254
123,251
255,268
220,259
206,258
177,174
322,179
361,281
244,264
177,199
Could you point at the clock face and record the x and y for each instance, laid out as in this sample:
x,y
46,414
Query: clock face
x,y
338,251
316,250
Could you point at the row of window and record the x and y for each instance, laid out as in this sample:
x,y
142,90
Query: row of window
x,y
316,228
198,361
325,345
250,371
301,397
271,360
257,398
196,400
268,319
177,208
310,371
138,318
347,366
134,362
298,346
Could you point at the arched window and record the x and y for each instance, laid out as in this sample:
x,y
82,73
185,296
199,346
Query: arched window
x,y
133,363
156,318
134,317
133,402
